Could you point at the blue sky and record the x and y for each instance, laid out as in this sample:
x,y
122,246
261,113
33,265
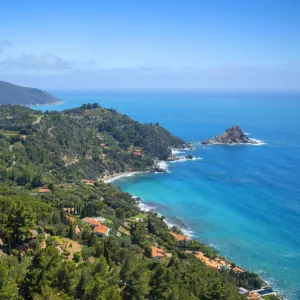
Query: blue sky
x,y
145,44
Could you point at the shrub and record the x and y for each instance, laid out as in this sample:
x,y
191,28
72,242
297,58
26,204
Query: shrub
x,y
76,257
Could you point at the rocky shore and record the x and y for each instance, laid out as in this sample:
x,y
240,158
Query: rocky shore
x,y
231,136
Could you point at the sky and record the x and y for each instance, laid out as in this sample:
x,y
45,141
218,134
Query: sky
x,y
151,44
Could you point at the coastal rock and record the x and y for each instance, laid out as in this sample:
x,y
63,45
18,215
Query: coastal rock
x,y
189,156
233,135
158,169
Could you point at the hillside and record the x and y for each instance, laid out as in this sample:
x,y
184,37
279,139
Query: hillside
x,y
84,143
62,237
18,95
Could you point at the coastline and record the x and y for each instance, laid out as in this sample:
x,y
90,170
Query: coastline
x,y
147,208
47,104
114,177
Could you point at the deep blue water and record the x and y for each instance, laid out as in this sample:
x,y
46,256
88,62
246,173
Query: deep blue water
x,y
243,200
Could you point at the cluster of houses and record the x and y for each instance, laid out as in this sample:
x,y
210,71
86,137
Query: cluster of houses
x,y
161,254
98,228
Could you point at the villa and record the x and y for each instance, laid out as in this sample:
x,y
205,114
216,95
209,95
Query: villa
x,y
101,230
90,221
88,182
158,253
44,191
180,237
258,294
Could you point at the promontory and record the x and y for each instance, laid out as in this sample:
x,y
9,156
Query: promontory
x,y
18,95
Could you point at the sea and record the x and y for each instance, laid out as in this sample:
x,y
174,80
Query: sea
x,y
243,200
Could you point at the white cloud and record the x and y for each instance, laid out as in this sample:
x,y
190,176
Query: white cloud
x,y
46,61
4,44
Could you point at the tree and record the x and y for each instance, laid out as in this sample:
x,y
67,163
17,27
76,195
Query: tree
x,y
51,187
16,221
76,257
72,234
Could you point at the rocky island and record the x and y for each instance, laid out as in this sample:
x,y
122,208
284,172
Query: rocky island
x,y
233,135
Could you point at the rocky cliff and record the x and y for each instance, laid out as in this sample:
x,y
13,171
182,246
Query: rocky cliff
x,y
233,135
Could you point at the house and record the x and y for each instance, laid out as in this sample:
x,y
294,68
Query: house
x,y
158,253
90,221
89,182
137,153
180,237
69,209
44,191
100,230
33,234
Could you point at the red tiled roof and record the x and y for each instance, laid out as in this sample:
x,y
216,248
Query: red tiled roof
x,y
156,252
86,181
91,221
180,237
44,191
100,229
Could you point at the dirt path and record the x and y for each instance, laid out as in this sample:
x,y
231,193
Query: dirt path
x,y
38,120
76,160
11,151
49,131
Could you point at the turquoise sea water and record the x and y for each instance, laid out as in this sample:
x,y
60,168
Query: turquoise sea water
x,y
243,200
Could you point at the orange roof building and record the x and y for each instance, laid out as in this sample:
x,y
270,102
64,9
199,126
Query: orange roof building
x,y
100,230
253,296
137,153
180,237
158,253
91,221
89,182
44,191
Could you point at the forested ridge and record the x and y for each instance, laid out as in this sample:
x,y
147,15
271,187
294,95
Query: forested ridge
x,y
19,95
48,251
87,142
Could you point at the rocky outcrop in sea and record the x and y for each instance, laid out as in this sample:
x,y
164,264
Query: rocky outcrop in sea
x,y
233,135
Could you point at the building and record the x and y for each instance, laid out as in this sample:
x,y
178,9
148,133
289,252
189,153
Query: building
x,y
89,182
44,191
69,209
137,153
100,230
33,233
180,237
158,253
90,221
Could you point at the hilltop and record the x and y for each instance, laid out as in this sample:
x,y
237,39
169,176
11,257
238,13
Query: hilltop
x,y
18,95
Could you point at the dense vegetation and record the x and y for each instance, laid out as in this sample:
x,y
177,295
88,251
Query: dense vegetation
x,y
88,142
112,267
65,259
